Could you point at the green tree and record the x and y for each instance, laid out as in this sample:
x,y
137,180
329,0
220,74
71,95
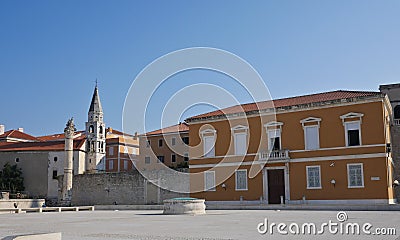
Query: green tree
x,y
11,178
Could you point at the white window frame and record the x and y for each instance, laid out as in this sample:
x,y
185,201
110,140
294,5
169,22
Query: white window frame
x,y
213,189
145,158
270,126
173,141
319,171
305,137
316,122
269,139
236,180
243,131
346,132
348,175
110,164
111,151
126,150
236,148
126,164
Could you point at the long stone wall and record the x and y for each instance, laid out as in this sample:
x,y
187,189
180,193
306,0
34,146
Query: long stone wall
x,y
120,188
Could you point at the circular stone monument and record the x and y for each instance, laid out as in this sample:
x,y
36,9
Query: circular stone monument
x,y
177,206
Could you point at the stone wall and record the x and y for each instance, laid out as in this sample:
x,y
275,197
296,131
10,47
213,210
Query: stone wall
x,y
124,188
21,203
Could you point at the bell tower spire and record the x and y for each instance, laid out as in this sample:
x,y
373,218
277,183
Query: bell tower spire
x,y
95,134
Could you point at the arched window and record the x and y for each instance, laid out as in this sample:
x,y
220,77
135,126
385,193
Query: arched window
x,y
91,129
397,112
101,129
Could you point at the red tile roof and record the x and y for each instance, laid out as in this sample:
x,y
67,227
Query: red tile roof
x,y
286,102
60,136
38,146
116,132
18,135
181,127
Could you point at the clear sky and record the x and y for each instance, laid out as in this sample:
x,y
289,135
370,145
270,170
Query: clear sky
x,y
51,52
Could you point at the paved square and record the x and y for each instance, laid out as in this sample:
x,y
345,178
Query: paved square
x,y
229,224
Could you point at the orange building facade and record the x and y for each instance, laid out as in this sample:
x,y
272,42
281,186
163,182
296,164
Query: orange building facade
x,y
166,147
331,147
122,150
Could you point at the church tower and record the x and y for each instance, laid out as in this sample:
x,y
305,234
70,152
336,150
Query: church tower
x,y
95,136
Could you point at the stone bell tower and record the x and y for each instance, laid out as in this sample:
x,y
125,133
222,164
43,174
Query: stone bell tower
x,y
95,136
66,193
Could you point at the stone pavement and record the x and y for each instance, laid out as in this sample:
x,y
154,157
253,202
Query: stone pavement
x,y
216,224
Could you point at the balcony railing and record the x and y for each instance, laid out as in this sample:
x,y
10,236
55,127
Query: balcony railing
x,y
274,155
396,122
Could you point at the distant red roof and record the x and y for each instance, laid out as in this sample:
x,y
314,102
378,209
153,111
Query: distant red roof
x,y
181,127
18,135
286,102
60,136
116,132
38,146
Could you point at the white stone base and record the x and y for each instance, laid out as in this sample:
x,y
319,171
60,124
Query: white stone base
x,y
178,206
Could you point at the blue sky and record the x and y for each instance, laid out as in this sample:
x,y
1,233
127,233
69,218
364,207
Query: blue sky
x,y
51,52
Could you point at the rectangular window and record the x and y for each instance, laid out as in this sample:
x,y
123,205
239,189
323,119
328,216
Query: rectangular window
x,y
111,151
209,181
353,133
313,177
126,150
173,141
209,149
160,158
274,139
311,136
185,140
55,174
146,160
160,142
240,143
173,158
355,175
186,157
111,165
125,164
148,143
241,179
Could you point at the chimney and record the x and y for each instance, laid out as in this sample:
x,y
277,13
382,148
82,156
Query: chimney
x,y
21,129
2,128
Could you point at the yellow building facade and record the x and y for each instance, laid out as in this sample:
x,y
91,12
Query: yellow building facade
x,y
331,147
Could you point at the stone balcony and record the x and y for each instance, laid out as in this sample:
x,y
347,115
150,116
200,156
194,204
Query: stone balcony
x,y
272,156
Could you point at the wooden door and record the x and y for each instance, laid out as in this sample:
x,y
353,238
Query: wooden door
x,y
276,186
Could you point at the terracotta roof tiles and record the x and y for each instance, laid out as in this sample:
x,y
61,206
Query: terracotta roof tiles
x,y
286,102
18,135
181,127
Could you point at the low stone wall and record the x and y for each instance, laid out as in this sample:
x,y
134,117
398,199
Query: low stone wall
x,y
127,188
21,203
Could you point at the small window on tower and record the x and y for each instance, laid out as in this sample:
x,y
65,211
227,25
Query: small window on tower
x,y
91,129
55,174
100,129
55,159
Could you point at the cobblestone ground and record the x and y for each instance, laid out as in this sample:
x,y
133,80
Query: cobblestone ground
x,y
231,224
